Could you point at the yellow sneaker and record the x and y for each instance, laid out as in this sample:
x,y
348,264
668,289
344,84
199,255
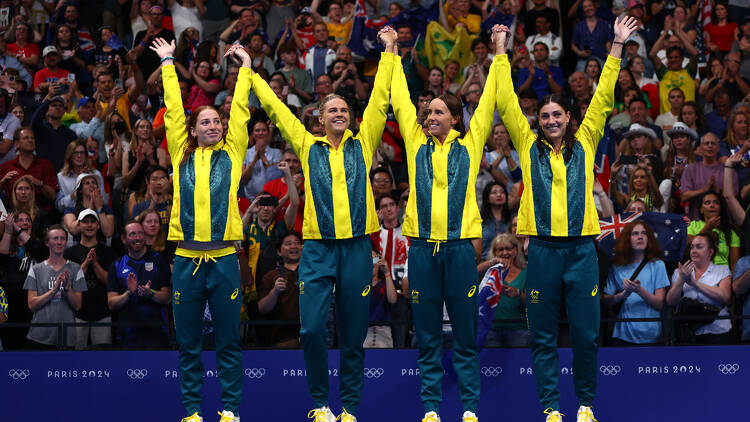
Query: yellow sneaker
x,y
321,414
469,417
195,417
227,416
346,417
553,415
431,417
585,414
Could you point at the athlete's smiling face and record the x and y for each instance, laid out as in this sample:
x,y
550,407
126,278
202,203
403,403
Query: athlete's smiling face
x,y
335,116
440,121
553,119
207,130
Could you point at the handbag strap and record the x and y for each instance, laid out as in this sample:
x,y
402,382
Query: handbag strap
x,y
639,268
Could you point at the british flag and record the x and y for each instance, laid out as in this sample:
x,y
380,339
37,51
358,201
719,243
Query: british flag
x,y
614,225
490,290
602,160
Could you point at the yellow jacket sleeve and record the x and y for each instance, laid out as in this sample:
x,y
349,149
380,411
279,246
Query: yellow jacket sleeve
x,y
480,124
174,117
403,108
592,127
508,107
237,135
374,116
292,130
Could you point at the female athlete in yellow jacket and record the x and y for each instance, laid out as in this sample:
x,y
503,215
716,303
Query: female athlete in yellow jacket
x,y
557,211
205,221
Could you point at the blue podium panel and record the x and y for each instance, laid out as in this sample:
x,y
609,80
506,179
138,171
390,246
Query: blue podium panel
x,y
644,384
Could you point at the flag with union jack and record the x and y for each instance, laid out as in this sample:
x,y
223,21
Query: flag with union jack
x,y
364,37
670,230
603,158
490,290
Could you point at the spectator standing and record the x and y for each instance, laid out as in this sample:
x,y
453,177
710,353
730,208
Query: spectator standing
x,y
382,298
55,289
7,61
186,15
495,215
47,123
148,61
542,77
713,217
88,195
280,189
720,33
91,124
137,290
731,80
27,163
76,164
215,19
544,35
260,162
319,58
540,8
591,36
157,196
674,75
52,73
9,124
279,292
704,176
95,259
718,120
637,282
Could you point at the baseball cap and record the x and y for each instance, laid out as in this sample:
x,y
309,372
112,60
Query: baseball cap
x,y
82,102
85,213
49,49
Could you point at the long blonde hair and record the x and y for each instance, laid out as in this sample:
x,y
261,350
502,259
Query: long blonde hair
x,y
67,169
31,209
505,239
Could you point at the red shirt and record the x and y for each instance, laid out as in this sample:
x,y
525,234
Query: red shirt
x,y
278,188
45,75
27,50
40,168
723,36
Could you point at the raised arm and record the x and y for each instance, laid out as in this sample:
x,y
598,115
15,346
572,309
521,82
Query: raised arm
x,y
403,108
601,105
480,124
292,130
174,118
507,103
374,116
239,113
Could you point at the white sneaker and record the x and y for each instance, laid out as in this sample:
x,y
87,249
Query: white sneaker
x,y
469,417
431,417
585,414
553,415
227,416
322,414
195,417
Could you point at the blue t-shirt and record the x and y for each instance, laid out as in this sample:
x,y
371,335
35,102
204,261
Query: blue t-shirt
x,y
540,84
653,276
742,265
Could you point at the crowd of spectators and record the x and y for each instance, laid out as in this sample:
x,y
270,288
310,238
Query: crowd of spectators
x,y
86,176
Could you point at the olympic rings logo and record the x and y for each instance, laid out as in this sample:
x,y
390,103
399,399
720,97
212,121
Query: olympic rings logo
x,y
491,371
255,373
608,370
374,372
19,374
137,374
728,368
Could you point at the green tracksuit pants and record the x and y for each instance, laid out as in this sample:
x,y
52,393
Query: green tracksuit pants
x,y
568,267
217,282
445,272
347,264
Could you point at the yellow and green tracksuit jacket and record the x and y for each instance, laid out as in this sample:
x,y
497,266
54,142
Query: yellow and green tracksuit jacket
x,y
442,201
339,202
204,204
557,198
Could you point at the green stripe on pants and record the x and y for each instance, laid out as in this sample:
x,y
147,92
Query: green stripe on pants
x,y
570,267
347,264
446,275
219,284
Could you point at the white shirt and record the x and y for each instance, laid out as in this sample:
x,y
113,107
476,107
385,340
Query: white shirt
x,y
553,42
713,275
183,18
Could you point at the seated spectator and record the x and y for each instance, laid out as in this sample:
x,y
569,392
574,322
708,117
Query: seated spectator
x,y
544,35
46,121
502,160
731,80
20,114
704,176
73,58
52,72
637,149
669,118
299,81
111,94
260,161
95,258
108,47
582,91
541,76
24,200
720,33
679,155
76,163
692,116
718,120
88,195
116,144
455,12
713,217
280,190
452,70
382,182
18,251
637,268
137,290
737,135
506,249
70,16
205,86
24,49
154,233
157,196
256,51
495,214
740,285
642,186
91,124
54,292
9,124
591,36
434,83
280,87
143,154
702,280
593,70
742,45
26,163
383,296
348,84
638,113
339,26
279,293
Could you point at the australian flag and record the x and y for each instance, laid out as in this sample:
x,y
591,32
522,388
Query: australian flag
x,y
670,230
490,290
603,158
364,38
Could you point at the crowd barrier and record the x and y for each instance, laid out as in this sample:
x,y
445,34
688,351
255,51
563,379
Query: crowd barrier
x,y
689,383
